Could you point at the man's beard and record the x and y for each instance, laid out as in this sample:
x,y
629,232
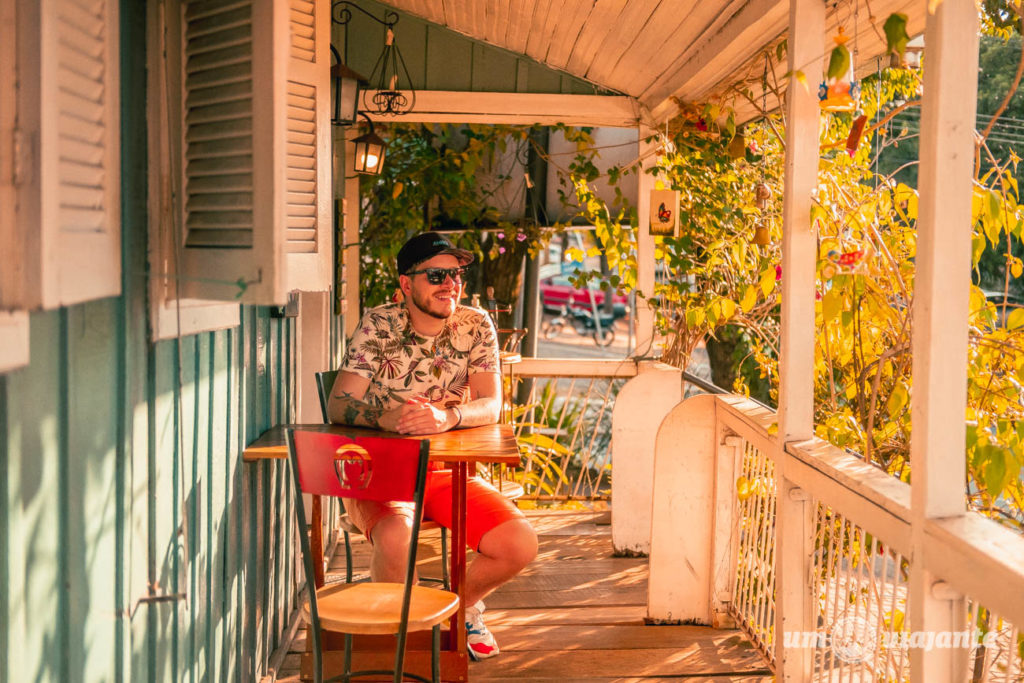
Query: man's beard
x,y
423,302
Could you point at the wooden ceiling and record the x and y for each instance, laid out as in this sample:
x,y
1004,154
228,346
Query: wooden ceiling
x,y
656,50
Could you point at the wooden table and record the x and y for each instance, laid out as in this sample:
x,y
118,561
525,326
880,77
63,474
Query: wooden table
x,y
459,448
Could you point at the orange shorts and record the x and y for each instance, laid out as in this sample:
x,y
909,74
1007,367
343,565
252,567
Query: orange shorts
x,y
486,508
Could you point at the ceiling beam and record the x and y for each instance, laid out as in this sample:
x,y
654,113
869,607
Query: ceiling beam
x,y
442,106
717,54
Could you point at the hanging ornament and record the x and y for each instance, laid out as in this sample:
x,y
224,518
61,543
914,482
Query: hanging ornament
x,y
848,262
761,235
839,92
762,193
856,132
737,146
664,212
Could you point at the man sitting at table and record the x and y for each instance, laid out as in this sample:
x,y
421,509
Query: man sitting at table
x,y
424,366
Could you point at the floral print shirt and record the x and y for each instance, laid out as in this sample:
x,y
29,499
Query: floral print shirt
x,y
401,364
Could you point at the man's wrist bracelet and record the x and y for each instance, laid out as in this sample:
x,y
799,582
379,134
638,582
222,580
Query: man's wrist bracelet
x,y
458,413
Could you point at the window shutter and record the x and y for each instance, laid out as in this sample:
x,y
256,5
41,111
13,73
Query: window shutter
x,y
309,228
67,171
251,144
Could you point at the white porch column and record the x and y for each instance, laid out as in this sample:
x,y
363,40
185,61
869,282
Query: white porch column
x,y
940,307
644,316
794,531
350,231
679,586
642,404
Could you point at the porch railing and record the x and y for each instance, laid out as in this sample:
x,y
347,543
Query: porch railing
x,y
855,558
563,416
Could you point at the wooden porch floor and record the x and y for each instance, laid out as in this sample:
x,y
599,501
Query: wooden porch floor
x,y
576,614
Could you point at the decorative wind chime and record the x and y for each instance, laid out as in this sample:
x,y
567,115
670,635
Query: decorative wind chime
x,y
762,193
840,91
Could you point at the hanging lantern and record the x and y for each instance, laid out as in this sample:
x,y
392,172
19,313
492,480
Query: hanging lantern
x,y
369,151
346,84
839,92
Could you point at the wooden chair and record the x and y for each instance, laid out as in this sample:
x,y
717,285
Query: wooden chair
x,y
324,382
509,340
367,469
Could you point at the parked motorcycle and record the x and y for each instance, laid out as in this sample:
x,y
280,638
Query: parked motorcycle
x,y
582,320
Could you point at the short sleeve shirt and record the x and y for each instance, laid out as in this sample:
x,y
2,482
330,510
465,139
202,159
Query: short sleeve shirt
x,y
402,364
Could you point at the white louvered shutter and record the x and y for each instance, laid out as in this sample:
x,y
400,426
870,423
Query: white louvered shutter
x,y
67,174
308,238
243,192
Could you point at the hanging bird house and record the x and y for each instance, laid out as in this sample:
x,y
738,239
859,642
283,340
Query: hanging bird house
x,y
664,212
839,92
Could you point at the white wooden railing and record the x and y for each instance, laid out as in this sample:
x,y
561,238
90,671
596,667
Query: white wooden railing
x,y
709,507
719,467
563,421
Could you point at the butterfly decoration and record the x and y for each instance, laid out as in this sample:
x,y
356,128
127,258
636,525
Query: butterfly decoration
x,y
664,215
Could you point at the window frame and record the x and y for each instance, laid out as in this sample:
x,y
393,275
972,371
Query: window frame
x,y
14,346
200,289
172,314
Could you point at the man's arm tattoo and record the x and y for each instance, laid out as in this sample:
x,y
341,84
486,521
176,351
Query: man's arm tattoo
x,y
356,412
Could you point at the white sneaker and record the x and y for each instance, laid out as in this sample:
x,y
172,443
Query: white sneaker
x,y
480,641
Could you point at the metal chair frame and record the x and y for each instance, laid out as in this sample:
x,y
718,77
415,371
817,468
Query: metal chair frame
x,y
307,562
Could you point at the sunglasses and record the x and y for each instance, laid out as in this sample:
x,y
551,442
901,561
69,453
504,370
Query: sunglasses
x,y
437,276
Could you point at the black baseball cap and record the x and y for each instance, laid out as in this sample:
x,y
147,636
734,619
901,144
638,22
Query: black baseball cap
x,y
426,245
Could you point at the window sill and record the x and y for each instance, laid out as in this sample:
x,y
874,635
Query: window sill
x,y
195,316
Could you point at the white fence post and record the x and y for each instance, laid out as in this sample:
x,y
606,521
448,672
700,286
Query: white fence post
x,y
794,526
941,302
679,586
725,526
641,405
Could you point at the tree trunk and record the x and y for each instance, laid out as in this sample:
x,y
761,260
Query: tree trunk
x,y
720,357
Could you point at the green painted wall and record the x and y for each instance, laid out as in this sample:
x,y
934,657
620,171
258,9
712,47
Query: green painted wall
x,y
122,478
121,459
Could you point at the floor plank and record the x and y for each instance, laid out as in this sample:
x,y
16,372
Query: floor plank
x,y
618,663
576,615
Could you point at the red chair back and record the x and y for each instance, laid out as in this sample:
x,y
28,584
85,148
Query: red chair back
x,y
367,468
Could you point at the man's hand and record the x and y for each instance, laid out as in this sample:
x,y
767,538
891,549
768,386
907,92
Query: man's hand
x,y
419,416
389,419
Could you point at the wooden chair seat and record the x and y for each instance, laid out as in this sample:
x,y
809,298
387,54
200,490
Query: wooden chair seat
x,y
375,608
